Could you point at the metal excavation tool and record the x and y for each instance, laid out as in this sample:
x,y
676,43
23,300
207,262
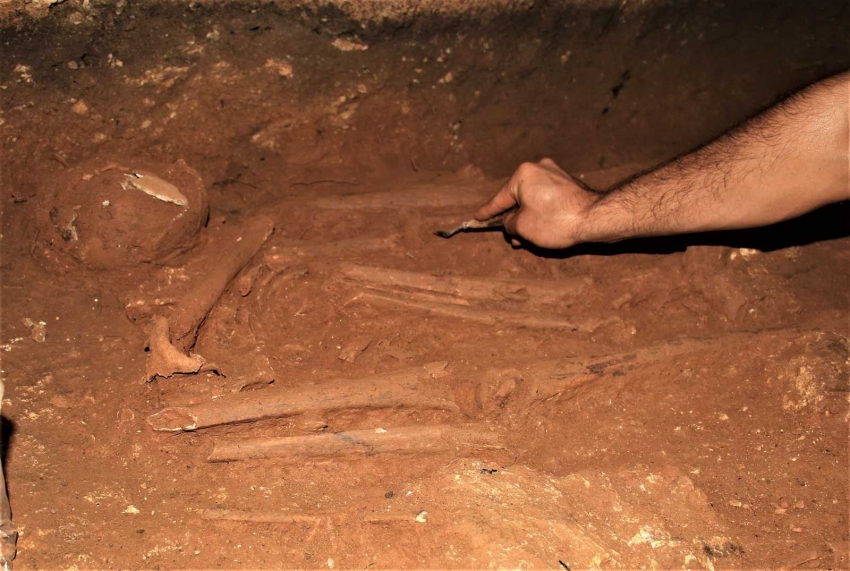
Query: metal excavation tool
x,y
494,222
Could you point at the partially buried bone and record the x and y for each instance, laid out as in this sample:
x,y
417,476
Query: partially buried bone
x,y
108,216
435,306
156,187
165,360
173,324
486,289
411,390
231,253
399,440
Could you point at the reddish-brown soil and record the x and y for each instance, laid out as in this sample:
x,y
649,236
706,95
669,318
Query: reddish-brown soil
x,y
670,403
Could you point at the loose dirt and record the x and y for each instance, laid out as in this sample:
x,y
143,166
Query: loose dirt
x,y
284,367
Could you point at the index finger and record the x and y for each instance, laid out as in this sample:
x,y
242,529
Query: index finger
x,y
503,200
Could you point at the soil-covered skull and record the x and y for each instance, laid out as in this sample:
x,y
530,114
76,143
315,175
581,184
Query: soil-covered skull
x,y
109,215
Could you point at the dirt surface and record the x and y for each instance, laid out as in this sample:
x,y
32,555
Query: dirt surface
x,y
367,394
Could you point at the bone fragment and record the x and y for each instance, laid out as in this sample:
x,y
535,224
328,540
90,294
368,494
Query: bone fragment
x,y
478,315
537,291
409,390
401,440
258,516
154,186
354,348
234,249
38,329
164,359
392,518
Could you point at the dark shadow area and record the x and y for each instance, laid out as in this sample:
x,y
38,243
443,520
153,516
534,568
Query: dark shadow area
x,y
827,223
8,427
8,430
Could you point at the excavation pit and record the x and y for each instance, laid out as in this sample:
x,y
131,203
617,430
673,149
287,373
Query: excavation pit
x,y
370,395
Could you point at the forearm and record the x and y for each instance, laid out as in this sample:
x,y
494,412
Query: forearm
x,y
787,161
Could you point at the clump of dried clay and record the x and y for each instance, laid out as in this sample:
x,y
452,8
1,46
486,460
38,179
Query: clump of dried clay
x,y
109,215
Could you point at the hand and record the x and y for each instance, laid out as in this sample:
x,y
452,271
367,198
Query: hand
x,y
552,206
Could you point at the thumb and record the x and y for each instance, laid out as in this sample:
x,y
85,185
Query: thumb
x,y
501,201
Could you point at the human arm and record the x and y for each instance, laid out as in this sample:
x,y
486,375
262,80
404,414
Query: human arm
x,y
787,161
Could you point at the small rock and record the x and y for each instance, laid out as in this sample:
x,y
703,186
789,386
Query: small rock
x,y
800,505
330,563
80,108
779,511
282,67
421,517
38,329
355,348
24,71
349,45
245,282
131,509
73,65
735,503
39,332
